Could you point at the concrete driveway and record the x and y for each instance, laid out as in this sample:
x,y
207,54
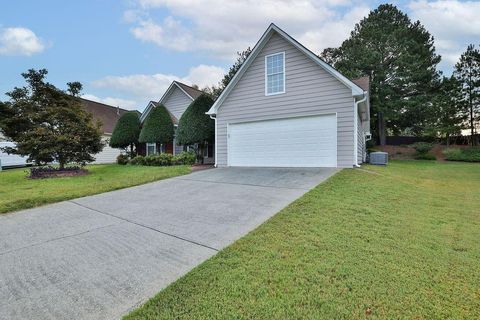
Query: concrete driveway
x,y
100,256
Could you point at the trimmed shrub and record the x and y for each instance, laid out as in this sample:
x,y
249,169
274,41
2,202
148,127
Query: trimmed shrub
x,y
195,126
186,158
164,159
422,147
138,160
466,155
422,151
158,127
122,159
126,131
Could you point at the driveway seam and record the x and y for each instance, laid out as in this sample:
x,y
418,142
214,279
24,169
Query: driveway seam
x,y
145,226
244,184
55,239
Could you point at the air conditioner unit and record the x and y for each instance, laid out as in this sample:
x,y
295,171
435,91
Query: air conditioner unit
x,y
379,158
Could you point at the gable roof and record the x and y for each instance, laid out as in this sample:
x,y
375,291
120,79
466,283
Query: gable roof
x,y
107,115
156,104
189,91
363,82
356,90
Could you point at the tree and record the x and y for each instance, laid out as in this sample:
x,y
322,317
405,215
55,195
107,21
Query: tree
x,y
399,57
195,126
158,127
467,72
126,132
447,109
48,124
216,91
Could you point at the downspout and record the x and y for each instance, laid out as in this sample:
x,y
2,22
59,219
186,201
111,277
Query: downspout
x,y
355,130
214,117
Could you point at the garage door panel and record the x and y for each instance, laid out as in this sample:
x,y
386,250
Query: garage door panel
x,y
293,142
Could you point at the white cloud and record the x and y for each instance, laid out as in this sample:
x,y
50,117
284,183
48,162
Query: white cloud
x,y
223,28
454,24
20,41
141,88
116,102
169,34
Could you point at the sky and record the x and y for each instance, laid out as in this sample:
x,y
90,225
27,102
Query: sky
x,y
127,52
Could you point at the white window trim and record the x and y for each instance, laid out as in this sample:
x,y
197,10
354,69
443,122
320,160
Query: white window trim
x,y
266,75
149,144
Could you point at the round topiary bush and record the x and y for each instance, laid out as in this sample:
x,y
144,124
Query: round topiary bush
x,y
126,131
158,127
195,126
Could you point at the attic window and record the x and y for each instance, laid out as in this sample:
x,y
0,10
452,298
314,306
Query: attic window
x,y
275,73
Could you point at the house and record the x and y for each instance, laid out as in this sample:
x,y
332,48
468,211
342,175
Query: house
x,y
286,107
176,100
108,117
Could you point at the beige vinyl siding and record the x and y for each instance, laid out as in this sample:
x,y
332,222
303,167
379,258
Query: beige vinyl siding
x,y
108,154
310,90
177,102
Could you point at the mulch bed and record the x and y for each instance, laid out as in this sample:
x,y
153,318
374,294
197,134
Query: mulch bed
x,y
40,174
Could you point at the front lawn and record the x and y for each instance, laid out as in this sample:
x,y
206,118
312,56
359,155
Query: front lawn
x,y
17,192
391,242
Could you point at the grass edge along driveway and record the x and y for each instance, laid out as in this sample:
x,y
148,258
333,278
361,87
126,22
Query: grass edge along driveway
x,y
397,242
18,192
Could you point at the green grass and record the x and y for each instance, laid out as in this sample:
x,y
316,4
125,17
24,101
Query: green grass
x,y
396,242
18,192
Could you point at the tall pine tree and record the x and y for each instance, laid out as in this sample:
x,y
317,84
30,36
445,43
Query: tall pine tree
x,y
467,72
399,57
448,116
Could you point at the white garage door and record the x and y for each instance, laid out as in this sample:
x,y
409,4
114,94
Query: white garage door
x,y
293,142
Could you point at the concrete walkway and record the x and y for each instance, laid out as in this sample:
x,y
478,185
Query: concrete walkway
x,y
100,256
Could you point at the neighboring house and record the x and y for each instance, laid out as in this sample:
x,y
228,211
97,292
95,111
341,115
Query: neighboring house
x,y
108,116
176,100
286,107
10,160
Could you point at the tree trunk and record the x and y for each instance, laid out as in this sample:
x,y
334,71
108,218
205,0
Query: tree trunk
x,y
202,152
472,126
448,140
382,137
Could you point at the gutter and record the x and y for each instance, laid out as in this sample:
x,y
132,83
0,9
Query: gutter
x,y
355,129
214,117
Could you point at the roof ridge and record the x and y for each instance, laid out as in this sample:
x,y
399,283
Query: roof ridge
x,y
186,85
106,105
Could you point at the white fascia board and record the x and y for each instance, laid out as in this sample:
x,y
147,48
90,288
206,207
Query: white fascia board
x,y
179,87
146,112
356,90
165,95
255,51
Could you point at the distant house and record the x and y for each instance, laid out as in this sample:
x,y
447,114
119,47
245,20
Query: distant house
x,y
108,116
176,100
286,107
